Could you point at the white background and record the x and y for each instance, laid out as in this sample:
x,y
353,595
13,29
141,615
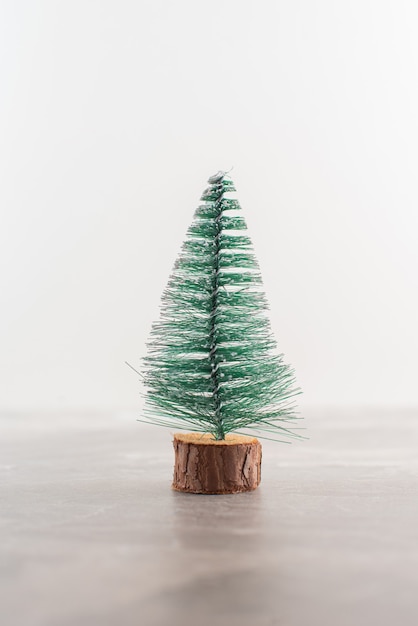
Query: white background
x,y
114,114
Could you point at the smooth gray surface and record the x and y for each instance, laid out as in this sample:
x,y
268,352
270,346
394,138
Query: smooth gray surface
x,y
92,534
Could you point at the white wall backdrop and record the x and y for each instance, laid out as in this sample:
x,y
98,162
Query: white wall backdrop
x,y
114,114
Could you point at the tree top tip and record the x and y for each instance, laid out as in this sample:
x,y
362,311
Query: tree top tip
x,y
216,178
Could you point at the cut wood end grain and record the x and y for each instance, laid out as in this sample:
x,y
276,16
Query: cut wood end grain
x,y
206,438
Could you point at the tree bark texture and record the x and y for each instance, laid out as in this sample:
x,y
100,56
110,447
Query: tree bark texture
x,y
204,465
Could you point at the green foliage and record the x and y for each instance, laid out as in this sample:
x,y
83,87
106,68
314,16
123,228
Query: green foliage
x,y
212,364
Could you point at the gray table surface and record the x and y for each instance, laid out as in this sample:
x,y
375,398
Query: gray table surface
x,y
92,534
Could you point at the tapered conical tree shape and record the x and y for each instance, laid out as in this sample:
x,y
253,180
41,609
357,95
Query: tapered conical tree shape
x,y
212,363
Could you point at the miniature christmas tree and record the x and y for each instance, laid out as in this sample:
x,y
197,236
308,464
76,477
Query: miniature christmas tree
x,y
212,364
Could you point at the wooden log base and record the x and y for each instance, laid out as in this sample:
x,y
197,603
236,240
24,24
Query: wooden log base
x,y
204,465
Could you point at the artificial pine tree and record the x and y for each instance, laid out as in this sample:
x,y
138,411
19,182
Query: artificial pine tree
x,y
212,365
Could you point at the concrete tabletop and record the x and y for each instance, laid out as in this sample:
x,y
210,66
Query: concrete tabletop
x,y
92,534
